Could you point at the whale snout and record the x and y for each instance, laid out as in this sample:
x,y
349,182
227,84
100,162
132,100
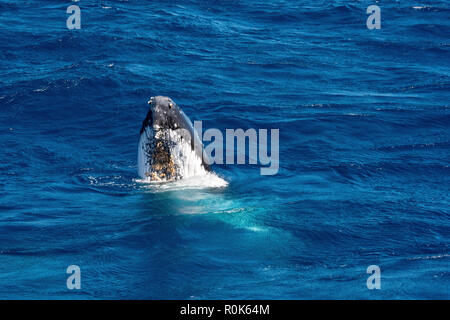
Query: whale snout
x,y
161,101
166,114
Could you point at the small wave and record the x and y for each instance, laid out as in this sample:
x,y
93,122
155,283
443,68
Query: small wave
x,y
255,229
438,256
427,8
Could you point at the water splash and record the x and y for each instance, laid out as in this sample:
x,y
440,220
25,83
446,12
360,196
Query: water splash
x,y
209,180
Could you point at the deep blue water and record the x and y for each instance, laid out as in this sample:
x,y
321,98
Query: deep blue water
x,y
364,123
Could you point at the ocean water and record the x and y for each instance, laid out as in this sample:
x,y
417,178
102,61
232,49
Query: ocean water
x,y
364,124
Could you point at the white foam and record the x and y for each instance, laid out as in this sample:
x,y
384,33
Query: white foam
x,y
208,180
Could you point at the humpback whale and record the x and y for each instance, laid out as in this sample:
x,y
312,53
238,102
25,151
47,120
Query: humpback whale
x,y
169,147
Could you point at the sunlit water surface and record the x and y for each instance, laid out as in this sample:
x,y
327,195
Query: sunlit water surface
x,y
364,150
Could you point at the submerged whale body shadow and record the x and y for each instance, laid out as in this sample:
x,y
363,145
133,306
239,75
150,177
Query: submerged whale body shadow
x,y
170,149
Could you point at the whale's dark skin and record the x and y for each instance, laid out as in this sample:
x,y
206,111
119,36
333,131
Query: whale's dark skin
x,y
165,114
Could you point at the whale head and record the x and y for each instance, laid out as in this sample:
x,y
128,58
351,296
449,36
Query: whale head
x,y
165,113
169,147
